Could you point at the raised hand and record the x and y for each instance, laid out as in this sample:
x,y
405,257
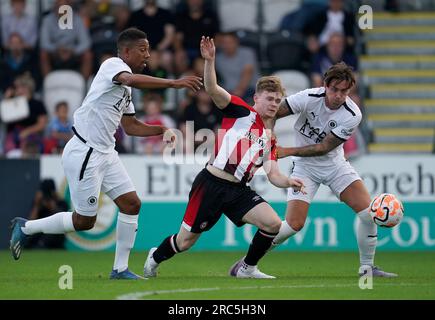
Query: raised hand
x,y
194,83
207,47
169,137
297,185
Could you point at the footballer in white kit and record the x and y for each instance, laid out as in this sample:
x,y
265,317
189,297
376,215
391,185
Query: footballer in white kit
x,y
327,117
314,123
90,161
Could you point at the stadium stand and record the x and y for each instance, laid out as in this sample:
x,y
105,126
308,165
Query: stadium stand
x,y
63,85
399,70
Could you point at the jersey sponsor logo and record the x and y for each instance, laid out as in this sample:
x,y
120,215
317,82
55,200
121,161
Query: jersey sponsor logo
x,y
347,132
253,137
124,102
310,132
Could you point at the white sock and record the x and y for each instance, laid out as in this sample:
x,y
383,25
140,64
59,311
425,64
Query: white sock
x,y
126,229
285,232
58,223
367,237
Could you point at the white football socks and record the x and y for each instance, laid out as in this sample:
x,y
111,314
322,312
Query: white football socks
x,y
58,223
285,232
126,230
366,235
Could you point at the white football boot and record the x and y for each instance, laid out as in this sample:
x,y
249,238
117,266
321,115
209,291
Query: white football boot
x,y
150,267
241,270
376,272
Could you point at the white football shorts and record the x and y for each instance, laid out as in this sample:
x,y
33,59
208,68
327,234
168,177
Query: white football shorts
x,y
89,171
337,178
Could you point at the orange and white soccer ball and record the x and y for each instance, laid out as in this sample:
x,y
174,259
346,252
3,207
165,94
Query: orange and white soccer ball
x,y
386,210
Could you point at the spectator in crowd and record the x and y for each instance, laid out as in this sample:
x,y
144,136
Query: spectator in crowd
x,y
65,48
30,129
297,20
237,66
155,68
17,61
333,52
334,19
201,114
59,129
46,203
153,105
157,23
19,22
193,23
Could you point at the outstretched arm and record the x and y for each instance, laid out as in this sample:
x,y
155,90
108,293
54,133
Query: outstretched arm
x,y
141,81
280,180
219,95
133,127
319,149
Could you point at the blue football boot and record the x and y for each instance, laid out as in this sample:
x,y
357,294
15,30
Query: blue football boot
x,y
124,275
18,237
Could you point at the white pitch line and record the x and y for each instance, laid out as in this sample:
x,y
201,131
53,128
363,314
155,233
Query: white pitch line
x,y
141,294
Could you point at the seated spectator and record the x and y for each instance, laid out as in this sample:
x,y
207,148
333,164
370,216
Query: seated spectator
x,y
59,129
46,203
202,114
19,22
333,52
157,23
17,61
332,20
155,68
298,20
193,23
31,128
65,48
153,105
237,66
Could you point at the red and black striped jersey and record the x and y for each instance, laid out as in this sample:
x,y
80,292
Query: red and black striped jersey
x,y
242,143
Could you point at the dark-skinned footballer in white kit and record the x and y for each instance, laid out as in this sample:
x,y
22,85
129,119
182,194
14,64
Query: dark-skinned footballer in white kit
x,y
89,159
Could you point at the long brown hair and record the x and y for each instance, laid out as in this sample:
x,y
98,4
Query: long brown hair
x,y
340,72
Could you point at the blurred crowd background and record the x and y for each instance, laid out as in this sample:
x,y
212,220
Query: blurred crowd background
x,y
45,71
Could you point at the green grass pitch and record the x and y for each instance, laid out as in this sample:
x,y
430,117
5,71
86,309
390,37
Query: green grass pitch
x,y
203,275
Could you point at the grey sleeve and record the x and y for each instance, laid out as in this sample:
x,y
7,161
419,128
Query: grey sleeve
x,y
84,38
44,36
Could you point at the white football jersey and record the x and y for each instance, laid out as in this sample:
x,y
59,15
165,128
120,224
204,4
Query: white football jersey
x,y
316,120
99,116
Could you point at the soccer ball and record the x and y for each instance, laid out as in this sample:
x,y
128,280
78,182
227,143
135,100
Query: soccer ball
x,y
386,210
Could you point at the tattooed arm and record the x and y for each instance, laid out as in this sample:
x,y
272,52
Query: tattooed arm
x,y
313,150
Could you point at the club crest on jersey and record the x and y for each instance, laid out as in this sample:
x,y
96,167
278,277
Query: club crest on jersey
x,y
332,124
92,201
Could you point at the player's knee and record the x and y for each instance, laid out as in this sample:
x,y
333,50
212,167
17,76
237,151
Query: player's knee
x,y
83,223
185,244
132,206
273,227
297,225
